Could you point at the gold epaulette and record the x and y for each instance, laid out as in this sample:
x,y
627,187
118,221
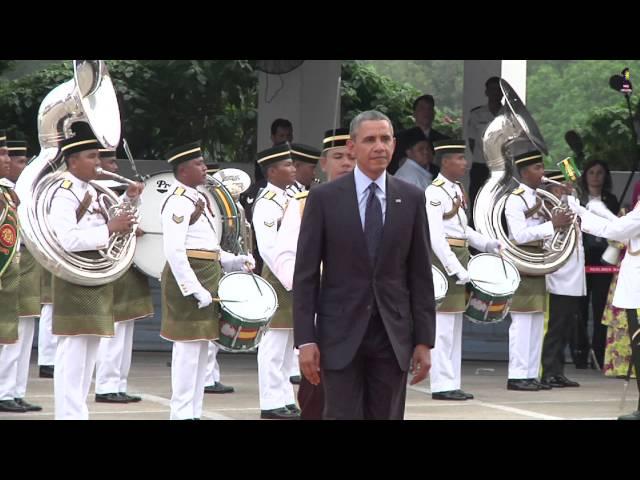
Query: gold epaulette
x,y
301,195
269,195
518,191
179,191
438,182
66,184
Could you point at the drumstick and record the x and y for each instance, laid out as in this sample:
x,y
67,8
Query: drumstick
x,y
220,300
254,279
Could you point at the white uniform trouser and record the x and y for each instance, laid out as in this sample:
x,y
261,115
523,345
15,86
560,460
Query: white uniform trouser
x,y
188,369
213,368
47,341
14,362
275,357
114,359
446,356
75,361
525,344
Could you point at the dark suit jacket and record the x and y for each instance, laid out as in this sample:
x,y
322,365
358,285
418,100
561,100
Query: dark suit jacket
x,y
400,283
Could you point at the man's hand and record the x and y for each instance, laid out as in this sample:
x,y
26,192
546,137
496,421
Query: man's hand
x,y
139,232
203,297
463,277
561,219
494,246
135,190
420,363
121,223
310,363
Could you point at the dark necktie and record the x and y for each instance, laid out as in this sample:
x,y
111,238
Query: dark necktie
x,y
373,222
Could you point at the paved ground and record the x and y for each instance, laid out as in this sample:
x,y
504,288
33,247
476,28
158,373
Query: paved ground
x,y
597,398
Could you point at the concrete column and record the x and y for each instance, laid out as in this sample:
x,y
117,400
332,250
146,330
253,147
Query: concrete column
x,y
306,96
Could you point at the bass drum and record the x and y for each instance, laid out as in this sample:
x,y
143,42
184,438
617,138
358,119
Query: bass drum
x,y
149,256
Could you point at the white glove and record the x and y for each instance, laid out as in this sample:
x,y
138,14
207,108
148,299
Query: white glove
x,y
494,246
236,263
204,298
463,277
574,205
246,262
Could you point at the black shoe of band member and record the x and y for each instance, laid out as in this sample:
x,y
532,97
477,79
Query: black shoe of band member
x,y
295,379
282,413
293,408
29,406
110,398
468,395
540,385
449,395
632,416
218,388
521,384
551,382
11,406
566,382
46,371
130,398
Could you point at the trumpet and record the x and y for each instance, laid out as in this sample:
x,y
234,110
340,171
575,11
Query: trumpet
x,y
561,237
118,242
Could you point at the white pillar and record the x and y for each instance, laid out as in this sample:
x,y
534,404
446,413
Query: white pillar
x,y
306,96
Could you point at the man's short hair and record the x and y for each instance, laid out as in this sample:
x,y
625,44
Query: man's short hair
x,y
491,80
427,98
367,116
280,123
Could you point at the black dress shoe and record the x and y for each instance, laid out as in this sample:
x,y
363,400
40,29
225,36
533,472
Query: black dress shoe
x,y
295,379
566,382
522,385
282,413
46,371
110,398
218,388
11,406
468,395
551,382
632,416
30,407
540,385
130,398
293,408
449,395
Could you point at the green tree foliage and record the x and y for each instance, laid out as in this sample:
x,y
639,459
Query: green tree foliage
x,y
364,88
162,104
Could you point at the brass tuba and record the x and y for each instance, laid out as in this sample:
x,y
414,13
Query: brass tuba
x,y
90,97
512,126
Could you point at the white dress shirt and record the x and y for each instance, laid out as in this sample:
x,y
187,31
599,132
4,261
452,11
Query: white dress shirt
x,y
362,192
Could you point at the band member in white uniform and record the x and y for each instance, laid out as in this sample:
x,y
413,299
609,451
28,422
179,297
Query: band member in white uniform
x,y
446,202
16,357
132,301
82,314
627,295
275,352
529,229
190,279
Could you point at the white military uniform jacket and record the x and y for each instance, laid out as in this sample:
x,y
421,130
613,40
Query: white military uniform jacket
x,y
440,196
267,217
524,230
624,229
287,241
479,118
91,232
570,279
295,188
178,236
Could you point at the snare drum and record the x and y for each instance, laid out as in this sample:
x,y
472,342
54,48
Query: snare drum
x,y
491,291
246,313
440,285
149,255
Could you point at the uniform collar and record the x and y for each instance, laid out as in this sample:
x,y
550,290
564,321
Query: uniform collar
x,y
75,181
272,188
528,189
446,181
7,183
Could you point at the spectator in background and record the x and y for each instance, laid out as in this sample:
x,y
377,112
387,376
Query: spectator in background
x,y
424,113
418,168
596,185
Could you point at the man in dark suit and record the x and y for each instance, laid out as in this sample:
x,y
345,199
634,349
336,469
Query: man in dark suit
x,y
424,112
374,303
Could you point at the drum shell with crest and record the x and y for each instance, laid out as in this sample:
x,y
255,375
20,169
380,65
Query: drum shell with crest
x,y
149,256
